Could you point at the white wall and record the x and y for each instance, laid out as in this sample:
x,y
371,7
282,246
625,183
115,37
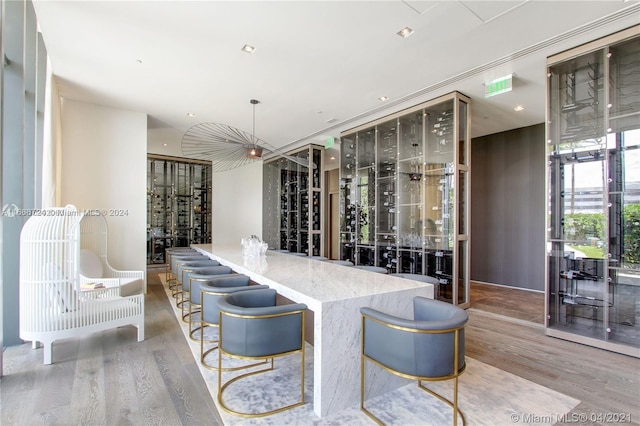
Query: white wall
x,y
51,141
164,141
237,204
103,166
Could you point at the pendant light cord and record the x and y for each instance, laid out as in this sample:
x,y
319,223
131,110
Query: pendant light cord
x,y
254,102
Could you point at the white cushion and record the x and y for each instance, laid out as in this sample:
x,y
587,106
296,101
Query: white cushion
x,y
130,286
90,264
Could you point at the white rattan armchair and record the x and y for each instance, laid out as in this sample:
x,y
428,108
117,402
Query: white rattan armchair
x,y
52,304
94,261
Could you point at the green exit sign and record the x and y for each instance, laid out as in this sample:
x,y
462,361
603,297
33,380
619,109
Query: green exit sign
x,y
498,86
329,142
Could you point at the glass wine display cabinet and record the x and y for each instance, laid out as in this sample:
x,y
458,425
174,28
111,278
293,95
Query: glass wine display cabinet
x,y
593,183
404,194
178,204
292,202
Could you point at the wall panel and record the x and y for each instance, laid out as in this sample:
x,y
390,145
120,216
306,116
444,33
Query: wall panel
x,y
104,164
507,208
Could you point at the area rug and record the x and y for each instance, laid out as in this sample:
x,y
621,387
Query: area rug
x,y
487,396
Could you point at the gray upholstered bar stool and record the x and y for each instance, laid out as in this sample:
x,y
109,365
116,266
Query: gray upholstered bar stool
x,y
173,268
168,252
171,252
190,271
252,327
182,263
376,269
422,278
173,280
428,347
205,293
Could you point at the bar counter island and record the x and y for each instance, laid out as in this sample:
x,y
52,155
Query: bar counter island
x,y
334,293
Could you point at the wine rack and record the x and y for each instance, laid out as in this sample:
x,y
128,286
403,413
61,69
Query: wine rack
x,y
593,110
292,202
403,197
178,204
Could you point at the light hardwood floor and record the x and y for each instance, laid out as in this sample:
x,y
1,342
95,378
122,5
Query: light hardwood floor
x,y
506,330
511,302
109,378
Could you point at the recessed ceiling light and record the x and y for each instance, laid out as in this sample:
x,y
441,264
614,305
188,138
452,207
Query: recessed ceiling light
x,y
190,114
332,158
384,98
248,48
139,61
519,108
164,144
405,32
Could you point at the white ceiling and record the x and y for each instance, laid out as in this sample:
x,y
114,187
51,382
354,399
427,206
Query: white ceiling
x,y
314,61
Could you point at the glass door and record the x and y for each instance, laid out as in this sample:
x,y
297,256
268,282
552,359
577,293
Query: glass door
x,y
366,197
159,209
411,179
620,316
347,198
386,178
624,192
440,197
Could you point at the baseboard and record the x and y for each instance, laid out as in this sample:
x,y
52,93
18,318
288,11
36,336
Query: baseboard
x,y
508,286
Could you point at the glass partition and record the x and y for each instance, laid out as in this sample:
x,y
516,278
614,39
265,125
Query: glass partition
x,y
593,271
292,202
178,204
402,202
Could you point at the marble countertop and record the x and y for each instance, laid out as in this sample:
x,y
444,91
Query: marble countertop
x,y
306,280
